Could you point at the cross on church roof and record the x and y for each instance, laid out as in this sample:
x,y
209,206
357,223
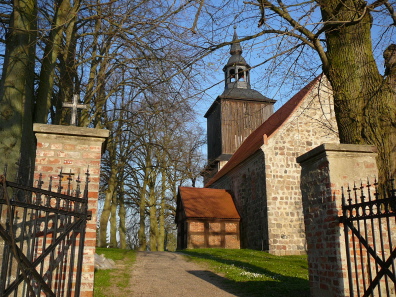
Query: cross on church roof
x,y
74,107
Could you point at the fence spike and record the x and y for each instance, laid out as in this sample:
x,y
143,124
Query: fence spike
x,y
70,179
78,182
50,183
362,191
86,184
60,181
40,181
349,195
343,196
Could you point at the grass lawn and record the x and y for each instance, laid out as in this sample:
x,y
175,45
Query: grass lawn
x,y
251,273
109,281
257,273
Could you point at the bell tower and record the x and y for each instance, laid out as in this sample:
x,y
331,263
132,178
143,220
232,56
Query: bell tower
x,y
235,114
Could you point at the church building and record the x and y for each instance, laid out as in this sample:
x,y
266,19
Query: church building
x,y
252,155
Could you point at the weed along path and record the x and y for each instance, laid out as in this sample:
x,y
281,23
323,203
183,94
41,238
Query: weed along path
x,y
166,274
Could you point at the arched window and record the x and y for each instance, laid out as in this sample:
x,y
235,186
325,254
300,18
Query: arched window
x,y
241,74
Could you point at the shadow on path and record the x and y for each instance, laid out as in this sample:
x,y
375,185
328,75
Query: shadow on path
x,y
218,281
167,274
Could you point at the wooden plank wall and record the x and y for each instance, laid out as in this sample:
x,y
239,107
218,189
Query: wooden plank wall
x,y
239,119
214,133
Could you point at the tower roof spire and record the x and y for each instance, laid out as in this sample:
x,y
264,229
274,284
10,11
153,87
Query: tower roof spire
x,y
236,48
236,70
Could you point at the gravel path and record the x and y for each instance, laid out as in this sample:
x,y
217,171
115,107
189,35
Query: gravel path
x,y
165,274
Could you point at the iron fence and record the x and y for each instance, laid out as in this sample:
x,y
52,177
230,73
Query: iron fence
x,y
370,239
42,237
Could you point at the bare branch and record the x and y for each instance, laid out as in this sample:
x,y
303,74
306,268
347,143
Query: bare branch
x,y
391,11
193,28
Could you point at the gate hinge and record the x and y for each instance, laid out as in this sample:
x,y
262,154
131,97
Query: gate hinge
x,y
89,215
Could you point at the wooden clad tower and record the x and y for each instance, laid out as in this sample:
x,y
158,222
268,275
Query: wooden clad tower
x,y
236,113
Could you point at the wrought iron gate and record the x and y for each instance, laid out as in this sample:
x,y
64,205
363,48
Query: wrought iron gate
x,y
42,238
370,239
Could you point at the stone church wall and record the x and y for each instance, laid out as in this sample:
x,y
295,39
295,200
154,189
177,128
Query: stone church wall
x,y
310,125
266,186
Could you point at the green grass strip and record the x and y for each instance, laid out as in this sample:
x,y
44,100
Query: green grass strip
x,y
256,273
105,278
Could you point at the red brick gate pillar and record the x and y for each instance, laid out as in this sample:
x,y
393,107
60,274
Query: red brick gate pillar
x,y
326,169
74,149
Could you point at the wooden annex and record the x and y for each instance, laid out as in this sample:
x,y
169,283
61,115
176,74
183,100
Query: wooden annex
x,y
206,218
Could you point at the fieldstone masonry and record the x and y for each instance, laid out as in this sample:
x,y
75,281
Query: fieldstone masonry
x,y
74,150
266,186
326,169
312,123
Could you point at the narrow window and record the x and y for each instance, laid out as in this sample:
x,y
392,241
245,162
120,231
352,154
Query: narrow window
x,y
232,75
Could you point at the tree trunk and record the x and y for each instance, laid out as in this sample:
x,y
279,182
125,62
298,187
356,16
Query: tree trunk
x,y
142,220
142,206
16,93
122,215
390,82
68,85
153,218
104,218
161,217
97,76
113,221
48,65
364,101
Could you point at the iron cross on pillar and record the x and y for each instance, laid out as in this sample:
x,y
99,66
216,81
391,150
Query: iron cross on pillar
x,y
74,107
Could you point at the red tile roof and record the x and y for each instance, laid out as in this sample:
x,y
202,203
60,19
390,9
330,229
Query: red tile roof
x,y
255,140
207,203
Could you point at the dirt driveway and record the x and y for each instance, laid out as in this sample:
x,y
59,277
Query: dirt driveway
x,y
165,274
